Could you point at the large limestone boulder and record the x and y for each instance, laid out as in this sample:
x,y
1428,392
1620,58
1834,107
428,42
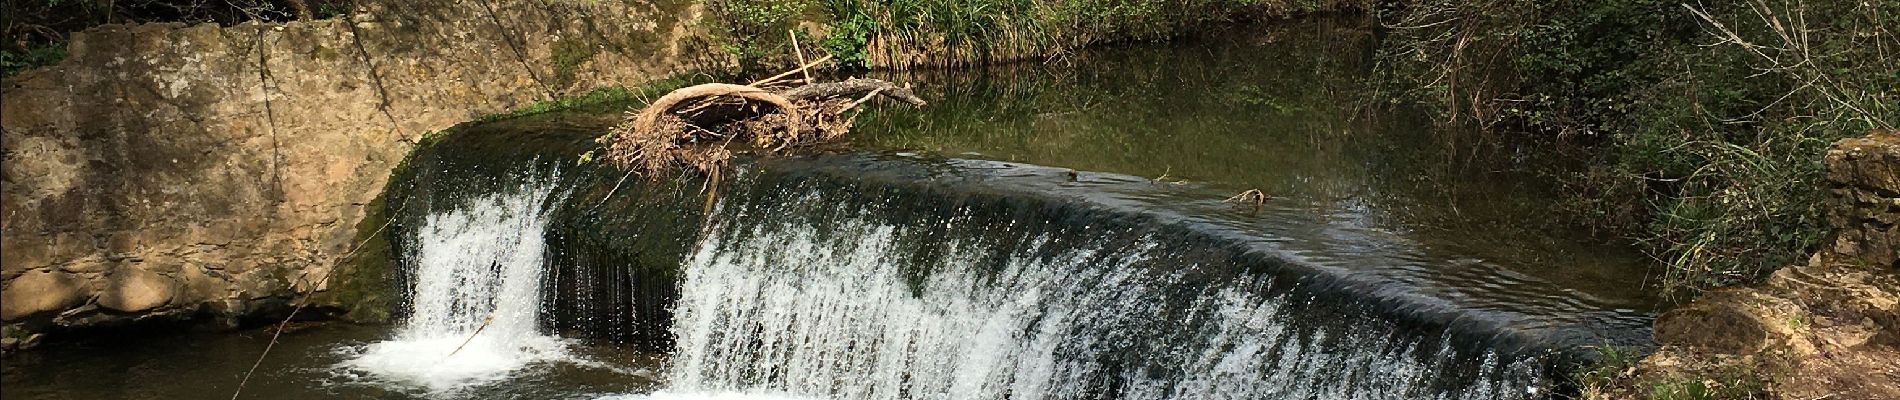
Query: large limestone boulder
x,y
40,292
135,290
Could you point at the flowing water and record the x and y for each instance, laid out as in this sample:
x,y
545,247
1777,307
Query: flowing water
x,y
475,298
1041,232
1034,315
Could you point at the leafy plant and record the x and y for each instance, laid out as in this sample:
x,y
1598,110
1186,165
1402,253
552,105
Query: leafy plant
x,y
14,61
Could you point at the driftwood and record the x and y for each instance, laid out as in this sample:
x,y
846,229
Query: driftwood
x,y
854,87
692,127
648,119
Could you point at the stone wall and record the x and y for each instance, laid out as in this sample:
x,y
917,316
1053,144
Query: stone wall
x,y
1829,328
1864,198
168,172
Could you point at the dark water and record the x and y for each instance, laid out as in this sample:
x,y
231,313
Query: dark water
x,y
1385,245
301,366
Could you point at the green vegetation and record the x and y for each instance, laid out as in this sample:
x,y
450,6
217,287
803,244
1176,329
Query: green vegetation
x,y
1733,383
961,32
12,61
1611,365
568,56
1615,374
1701,127
365,283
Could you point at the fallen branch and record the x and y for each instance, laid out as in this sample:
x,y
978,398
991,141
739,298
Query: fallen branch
x,y
853,87
649,117
693,126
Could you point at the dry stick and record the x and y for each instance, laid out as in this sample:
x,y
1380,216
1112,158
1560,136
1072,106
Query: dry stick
x,y
471,337
712,193
610,192
867,97
801,68
304,302
801,55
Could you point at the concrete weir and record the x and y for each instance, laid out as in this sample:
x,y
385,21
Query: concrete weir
x,y
888,275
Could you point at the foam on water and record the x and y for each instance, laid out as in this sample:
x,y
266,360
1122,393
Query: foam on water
x,y
667,395
478,273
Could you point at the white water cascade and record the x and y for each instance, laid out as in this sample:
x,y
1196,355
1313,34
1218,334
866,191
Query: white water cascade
x,y
789,310
475,297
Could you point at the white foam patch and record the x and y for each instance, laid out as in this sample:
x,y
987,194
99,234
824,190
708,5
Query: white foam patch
x,y
667,395
434,363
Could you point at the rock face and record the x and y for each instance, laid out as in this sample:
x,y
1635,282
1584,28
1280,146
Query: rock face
x,y
134,290
1826,329
174,170
39,292
1864,198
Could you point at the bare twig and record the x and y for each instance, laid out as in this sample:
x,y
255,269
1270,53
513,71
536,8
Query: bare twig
x,y
471,337
801,69
1792,57
861,100
801,55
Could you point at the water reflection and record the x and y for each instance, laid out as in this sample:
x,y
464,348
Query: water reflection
x,y
1289,109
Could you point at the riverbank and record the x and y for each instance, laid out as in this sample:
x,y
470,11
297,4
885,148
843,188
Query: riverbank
x,y
1827,328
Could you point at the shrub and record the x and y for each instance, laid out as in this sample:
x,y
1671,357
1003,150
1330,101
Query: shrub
x,y
1703,125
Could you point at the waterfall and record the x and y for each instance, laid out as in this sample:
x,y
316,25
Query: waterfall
x,y
859,277
844,308
474,296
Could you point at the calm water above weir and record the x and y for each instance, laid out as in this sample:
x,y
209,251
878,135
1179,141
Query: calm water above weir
x,y
960,259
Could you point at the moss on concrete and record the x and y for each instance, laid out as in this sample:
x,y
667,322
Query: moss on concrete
x,y
365,285
569,55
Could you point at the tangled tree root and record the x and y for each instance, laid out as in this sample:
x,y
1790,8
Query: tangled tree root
x,y
693,127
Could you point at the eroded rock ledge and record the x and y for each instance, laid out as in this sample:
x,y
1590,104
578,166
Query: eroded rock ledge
x,y
1829,328
166,172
